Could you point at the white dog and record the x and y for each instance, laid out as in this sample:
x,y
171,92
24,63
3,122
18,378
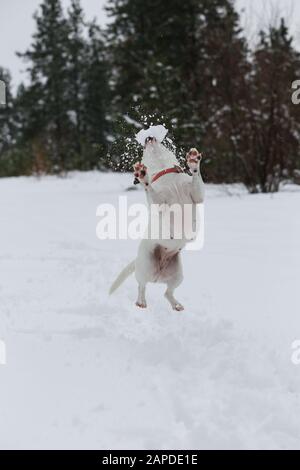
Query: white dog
x,y
166,186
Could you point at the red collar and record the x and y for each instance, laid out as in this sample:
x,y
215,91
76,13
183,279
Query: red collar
x,y
175,169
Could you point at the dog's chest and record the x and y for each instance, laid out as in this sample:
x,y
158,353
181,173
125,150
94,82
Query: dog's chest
x,y
174,188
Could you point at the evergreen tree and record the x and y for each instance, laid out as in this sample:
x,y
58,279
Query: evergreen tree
x,y
96,98
65,103
183,64
6,113
272,128
76,60
14,160
147,42
222,88
48,90
184,60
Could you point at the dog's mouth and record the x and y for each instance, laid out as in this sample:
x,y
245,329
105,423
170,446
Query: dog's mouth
x,y
149,140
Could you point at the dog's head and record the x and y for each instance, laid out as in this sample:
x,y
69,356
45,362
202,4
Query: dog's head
x,y
157,157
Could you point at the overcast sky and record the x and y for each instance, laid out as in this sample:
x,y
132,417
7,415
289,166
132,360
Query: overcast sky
x,y
17,25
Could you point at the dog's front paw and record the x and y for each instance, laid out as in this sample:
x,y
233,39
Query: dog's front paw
x,y
140,172
193,159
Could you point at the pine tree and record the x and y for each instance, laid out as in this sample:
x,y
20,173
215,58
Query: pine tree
x,y
96,98
272,128
6,113
76,64
14,160
223,69
147,43
48,90
184,60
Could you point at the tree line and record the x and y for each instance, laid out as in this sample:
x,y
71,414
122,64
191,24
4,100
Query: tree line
x,y
186,64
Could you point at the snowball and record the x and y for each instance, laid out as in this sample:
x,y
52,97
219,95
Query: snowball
x,y
159,132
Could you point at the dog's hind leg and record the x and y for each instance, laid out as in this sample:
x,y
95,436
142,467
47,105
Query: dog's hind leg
x,y
172,284
141,300
144,271
169,294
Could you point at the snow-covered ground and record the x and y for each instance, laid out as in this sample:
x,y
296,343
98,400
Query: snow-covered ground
x,y
88,371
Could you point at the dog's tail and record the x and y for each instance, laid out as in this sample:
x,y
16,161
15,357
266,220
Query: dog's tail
x,y
122,277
